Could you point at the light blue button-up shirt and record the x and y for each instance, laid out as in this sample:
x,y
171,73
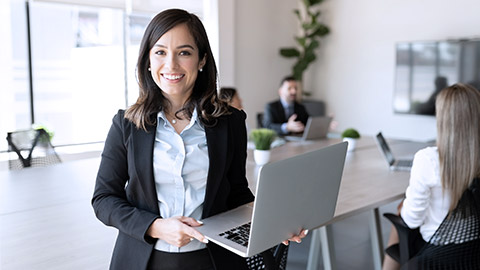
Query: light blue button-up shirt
x,y
180,164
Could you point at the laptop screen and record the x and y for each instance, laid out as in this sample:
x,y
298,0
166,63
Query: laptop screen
x,y
385,149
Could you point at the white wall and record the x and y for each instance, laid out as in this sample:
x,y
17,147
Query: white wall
x,y
354,72
226,25
261,28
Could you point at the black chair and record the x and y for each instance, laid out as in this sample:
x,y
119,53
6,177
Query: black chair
x,y
314,107
272,259
260,120
409,240
455,244
30,148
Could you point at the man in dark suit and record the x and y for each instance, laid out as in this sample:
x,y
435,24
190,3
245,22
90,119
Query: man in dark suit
x,y
286,115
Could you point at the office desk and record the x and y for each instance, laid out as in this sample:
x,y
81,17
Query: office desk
x,y
367,184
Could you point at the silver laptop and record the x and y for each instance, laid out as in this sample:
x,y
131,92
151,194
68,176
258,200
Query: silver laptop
x,y
395,164
316,128
294,193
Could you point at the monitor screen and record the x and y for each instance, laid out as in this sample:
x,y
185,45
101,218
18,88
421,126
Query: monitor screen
x,y
424,68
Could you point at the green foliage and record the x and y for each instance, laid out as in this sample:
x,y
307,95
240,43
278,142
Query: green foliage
x,y
350,133
312,30
290,52
41,126
262,138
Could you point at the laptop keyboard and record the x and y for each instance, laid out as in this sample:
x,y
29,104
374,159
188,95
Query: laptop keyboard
x,y
238,234
404,163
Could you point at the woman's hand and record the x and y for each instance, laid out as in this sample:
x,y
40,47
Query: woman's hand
x,y
296,238
177,231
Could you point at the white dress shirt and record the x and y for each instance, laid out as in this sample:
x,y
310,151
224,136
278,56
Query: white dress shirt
x,y
425,204
180,163
289,110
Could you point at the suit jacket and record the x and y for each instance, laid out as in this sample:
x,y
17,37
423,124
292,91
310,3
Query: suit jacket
x,y
274,115
125,195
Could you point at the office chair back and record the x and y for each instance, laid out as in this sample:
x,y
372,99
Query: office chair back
x,y
455,244
30,148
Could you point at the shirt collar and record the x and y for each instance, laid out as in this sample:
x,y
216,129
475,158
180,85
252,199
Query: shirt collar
x,y
286,104
161,116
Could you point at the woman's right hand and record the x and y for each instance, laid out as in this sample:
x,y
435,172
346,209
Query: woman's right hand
x,y
177,231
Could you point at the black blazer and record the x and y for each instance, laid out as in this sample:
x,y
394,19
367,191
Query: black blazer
x,y
274,115
125,195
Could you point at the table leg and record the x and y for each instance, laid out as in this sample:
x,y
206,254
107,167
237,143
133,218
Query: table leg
x,y
376,238
322,239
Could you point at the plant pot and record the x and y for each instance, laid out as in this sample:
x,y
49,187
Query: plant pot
x,y
351,143
261,157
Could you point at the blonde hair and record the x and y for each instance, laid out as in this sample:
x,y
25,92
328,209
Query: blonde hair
x,y
458,140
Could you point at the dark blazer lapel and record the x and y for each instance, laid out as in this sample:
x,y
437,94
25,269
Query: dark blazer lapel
x,y
217,142
143,144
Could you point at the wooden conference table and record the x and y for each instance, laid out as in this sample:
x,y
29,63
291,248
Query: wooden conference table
x,y
367,184
46,220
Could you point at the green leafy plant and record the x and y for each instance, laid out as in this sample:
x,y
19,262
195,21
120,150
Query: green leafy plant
x,y
350,133
308,41
262,138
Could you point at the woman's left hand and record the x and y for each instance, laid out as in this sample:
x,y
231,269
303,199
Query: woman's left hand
x,y
296,238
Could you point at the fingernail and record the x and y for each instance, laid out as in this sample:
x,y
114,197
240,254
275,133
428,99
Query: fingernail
x,y
305,232
205,240
298,241
199,221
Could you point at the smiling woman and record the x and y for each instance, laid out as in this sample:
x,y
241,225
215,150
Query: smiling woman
x,y
165,163
174,65
176,156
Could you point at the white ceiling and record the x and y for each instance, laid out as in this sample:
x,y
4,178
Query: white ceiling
x,y
150,6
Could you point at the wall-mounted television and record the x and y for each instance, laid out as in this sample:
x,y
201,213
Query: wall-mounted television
x,y
422,69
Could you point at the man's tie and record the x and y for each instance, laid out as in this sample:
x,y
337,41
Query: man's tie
x,y
289,111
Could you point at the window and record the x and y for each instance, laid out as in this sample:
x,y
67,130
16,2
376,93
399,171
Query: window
x,y
78,70
83,63
14,90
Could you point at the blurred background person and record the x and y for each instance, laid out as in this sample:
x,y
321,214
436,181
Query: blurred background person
x,y
441,174
286,115
230,95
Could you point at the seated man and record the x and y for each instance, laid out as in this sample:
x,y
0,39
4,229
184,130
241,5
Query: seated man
x,y
286,115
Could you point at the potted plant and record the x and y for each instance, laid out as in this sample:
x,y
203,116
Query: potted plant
x,y
351,136
262,138
47,135
308,41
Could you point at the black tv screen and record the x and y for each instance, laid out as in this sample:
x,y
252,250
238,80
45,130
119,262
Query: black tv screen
x,y
424,68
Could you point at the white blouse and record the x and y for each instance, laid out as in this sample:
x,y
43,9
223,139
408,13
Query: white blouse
x,y
425,204
181,164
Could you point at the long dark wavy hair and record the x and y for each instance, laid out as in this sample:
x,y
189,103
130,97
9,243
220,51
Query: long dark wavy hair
x,y
204,95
